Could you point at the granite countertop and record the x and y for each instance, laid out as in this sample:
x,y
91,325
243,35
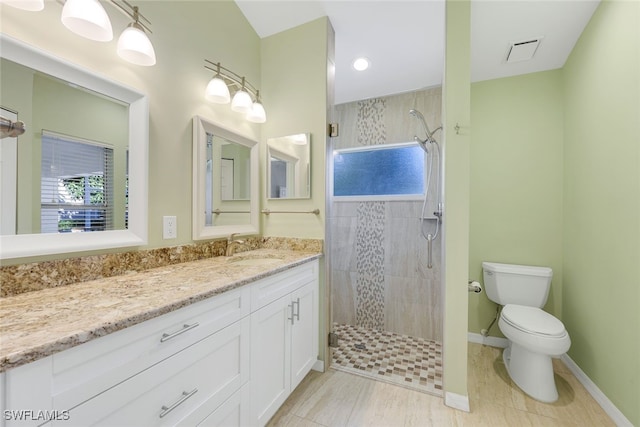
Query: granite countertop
x,y
37,324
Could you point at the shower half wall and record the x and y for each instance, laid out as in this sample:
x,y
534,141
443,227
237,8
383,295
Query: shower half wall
x,y
379,274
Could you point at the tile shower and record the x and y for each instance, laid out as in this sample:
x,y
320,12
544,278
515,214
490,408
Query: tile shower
x,y
387,305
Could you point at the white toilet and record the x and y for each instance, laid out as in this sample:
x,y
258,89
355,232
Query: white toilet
x,y
534,335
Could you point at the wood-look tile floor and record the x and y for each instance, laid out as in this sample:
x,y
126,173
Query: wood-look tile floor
x,y
338,398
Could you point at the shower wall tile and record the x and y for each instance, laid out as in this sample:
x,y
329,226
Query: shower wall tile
x,y
343,248
343,291
400,126
370,265
379,272
339,209
405,307
347,118
401,246
404,209
371,122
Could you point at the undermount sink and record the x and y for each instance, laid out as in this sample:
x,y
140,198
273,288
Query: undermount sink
x,y
253,261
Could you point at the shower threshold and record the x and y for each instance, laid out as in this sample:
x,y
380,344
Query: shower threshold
x,y
402,360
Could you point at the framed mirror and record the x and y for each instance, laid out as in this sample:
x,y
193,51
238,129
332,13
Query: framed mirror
x,y
80,169
289,167
225,182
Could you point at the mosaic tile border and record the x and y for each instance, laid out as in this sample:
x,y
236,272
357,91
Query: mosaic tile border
x,y
402,360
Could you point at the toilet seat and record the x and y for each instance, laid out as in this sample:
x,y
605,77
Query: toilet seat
x,y
532,320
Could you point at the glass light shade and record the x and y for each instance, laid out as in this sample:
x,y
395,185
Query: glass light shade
x,y
87,18
217,91
257,113
134,46
30,5
241,102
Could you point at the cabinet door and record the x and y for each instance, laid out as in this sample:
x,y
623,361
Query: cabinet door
x,y
270,359
304,332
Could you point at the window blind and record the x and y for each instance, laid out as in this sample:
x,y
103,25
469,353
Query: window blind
x,y
76,185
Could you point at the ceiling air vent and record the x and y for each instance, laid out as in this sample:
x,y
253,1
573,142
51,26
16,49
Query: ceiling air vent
x,y
522,51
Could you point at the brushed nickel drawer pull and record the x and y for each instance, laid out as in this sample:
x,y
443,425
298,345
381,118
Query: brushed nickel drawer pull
x,y
185,396
292,315
298,311
185,328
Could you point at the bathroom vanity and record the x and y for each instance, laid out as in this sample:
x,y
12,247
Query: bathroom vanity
x,y
222,341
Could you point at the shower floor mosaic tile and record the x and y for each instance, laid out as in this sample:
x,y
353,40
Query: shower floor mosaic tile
x,y
397,359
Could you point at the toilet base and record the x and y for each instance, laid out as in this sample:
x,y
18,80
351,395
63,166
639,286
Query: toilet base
x,y
532,372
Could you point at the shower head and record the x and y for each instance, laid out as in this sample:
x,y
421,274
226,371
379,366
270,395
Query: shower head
x,y
423,143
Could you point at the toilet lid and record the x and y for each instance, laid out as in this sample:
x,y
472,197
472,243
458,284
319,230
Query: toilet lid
x,y
532,320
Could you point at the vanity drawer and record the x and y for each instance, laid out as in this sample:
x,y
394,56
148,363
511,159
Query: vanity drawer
x,y
208,373
84,371
270,289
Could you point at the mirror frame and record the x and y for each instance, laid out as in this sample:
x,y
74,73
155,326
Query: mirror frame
x,y
28,245
200,231
307,172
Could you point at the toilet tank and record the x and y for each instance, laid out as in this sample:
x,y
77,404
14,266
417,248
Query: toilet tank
x,y
517,284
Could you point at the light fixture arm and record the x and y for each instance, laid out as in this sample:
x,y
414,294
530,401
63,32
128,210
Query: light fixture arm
x,y
240,82
132,12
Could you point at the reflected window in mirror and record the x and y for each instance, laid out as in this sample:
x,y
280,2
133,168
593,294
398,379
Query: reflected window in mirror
x,y
289,167
77,186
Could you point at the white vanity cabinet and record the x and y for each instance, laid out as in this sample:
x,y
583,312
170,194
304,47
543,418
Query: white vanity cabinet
x,y
284,341
204,364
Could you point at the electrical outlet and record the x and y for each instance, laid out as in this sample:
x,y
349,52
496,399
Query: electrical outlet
x,y
169,227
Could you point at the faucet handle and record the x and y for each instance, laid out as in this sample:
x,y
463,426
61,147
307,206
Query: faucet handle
x,y
232,237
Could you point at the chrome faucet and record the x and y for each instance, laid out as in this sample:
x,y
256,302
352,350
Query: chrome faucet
x,y
232,242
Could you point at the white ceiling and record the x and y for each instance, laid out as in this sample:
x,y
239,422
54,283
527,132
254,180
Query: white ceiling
x,y
404,40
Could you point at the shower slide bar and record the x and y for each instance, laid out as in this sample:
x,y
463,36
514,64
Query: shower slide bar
x,y
268,212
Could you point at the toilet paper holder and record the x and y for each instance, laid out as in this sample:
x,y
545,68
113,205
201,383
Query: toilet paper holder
x,y
474,287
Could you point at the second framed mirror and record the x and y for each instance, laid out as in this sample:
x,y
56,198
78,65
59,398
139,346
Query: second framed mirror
x,y
225,181
289,167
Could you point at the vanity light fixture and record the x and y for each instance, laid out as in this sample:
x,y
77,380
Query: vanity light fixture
x,y
241,101
246,98
30,5
134,45
87,18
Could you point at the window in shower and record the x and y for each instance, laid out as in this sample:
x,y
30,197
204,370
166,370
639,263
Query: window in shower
x,y
383,170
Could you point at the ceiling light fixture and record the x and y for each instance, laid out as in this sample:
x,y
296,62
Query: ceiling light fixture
x,y
134,45
246,98
361,64
87,18
30,5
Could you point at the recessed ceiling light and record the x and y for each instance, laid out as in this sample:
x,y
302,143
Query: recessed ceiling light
x,y
361,64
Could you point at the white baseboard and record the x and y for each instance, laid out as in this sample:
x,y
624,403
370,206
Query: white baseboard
x,y
604,402
608,406
318,366
490,341
457,401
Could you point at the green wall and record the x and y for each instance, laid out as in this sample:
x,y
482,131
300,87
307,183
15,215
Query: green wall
x,y
184,34
601,256
456,147
516,182
555,180
294,75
